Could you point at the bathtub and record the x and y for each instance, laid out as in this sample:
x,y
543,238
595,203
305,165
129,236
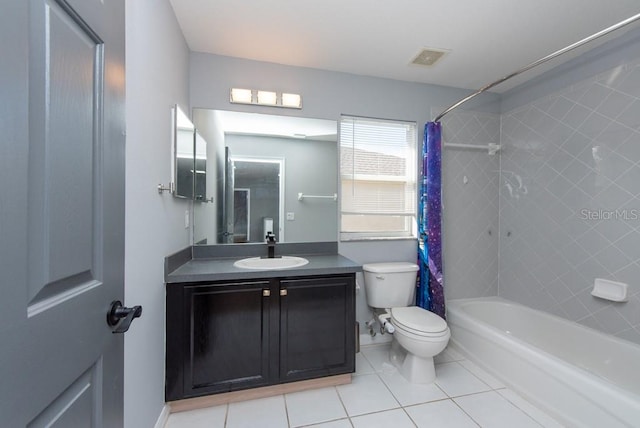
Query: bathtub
x,y
578,375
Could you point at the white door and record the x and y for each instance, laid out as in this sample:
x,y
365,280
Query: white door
x,y
61,212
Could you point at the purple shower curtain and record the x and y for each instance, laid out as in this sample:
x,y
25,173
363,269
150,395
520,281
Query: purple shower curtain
x,y
430,293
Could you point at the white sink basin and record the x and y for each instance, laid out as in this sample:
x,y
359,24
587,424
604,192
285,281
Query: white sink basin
x,y
284,262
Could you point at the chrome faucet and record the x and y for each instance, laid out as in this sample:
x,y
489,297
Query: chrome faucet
x,y
271,245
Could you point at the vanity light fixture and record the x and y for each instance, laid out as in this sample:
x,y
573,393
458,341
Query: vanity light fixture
x,y
265,98
241,96
291,100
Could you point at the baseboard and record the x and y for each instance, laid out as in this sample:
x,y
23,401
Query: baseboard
x,y
366,339
164,416
253,393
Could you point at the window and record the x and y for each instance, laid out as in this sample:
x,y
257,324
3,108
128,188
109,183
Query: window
x,y
378,178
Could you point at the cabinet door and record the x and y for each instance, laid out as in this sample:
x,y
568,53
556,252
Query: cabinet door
x,y
228,337
317,327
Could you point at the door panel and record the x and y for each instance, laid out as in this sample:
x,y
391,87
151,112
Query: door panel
x,y
74,407
64,225
317,325
62,212
229,334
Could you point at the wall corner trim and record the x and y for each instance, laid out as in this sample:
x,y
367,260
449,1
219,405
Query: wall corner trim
x,y
164,417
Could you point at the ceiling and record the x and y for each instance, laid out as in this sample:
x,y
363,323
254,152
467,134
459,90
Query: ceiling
x,y
486,40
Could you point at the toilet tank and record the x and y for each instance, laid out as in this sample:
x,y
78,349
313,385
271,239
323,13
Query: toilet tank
x,y
390,285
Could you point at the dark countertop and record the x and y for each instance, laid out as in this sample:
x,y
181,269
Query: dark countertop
x,y
196,264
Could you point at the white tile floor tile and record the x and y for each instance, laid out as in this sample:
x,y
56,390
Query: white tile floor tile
x,y
342,423
455,380
264,413
537,414
463,396
448,355
440,414
454,353
314,406
411,393
396,418
490,409
362,365
212,417
366,394
378,357
481,374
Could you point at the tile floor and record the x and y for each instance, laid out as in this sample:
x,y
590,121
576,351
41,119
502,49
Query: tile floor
x,y
463,396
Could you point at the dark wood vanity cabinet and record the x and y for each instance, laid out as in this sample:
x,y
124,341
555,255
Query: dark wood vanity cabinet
x,y
230,335
317,327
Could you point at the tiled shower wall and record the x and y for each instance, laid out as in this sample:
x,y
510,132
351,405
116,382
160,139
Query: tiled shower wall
x,y
570,201
470,202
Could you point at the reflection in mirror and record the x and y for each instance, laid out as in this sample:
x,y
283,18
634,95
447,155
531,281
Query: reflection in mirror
x,y
183,149
256,165
200,162
257,199
241,215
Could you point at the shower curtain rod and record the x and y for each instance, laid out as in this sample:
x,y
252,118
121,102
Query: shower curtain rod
x,y
538,62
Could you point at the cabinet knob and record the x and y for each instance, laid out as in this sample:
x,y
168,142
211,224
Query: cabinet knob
x,y
266,293
283,291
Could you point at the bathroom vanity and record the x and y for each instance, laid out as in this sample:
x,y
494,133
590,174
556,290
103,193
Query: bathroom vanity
x,y
231,329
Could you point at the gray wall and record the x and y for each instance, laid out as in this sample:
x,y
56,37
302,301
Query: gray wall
x,y
157,76
470,180
615,53
327,95
573,139
311,167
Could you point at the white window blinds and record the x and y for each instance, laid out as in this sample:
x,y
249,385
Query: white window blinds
x,y
378,178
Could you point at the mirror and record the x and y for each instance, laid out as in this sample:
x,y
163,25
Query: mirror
x,y
183,154
255,166
189,169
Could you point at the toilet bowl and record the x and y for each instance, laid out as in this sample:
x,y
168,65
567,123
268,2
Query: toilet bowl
x,y
418,334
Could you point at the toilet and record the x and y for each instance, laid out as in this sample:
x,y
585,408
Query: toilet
x,y
418,334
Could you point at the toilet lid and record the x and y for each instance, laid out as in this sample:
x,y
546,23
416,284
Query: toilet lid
x,y
418,319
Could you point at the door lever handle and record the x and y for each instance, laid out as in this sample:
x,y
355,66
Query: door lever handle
x,y
122,317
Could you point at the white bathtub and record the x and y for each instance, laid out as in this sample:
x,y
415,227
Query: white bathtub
x,y
578,375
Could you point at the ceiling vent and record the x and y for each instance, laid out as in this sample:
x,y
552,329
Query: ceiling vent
x,y
428,57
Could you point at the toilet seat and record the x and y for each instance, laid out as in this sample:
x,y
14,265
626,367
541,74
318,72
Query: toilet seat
x,y
418,321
